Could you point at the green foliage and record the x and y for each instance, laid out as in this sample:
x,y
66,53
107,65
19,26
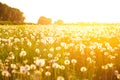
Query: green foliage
x,y
10,14
44,21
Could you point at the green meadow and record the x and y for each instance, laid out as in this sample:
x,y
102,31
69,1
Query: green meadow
x,y
59,52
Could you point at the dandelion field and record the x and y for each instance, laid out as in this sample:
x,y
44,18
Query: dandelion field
x,y
34,52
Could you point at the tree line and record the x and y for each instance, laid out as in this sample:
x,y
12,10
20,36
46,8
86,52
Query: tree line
x,y
46,21
10,15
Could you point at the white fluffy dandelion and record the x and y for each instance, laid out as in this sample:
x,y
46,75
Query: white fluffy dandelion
x,y
23,53
37,50
62,67
48,73
32,66
51,49
29,43
118,76
73,61
40,62
60,78
105,67
83,69
13,66
67,62
50,55
58,48
6,73
55,65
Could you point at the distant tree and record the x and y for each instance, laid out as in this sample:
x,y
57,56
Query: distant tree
x,y
44,21
59,22
8,13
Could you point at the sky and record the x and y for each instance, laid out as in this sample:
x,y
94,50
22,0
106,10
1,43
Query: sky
x,y
69,10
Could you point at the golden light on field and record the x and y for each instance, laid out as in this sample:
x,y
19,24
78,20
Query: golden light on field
x,y
69,11
81,51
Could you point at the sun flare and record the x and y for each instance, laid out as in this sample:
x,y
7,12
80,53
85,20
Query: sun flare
x,y
69,11
72,40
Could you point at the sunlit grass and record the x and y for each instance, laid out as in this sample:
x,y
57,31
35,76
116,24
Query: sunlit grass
x,y
59,52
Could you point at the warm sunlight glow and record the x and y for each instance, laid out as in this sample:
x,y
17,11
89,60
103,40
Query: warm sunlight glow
x,y
59,40
69,10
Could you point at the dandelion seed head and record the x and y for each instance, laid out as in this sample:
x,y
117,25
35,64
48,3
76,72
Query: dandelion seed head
x,y
13,66
16,40
60,78
116,72
23,53
41,69
44,49
6,73
92,53
58,55
14,71
50,55
12,57
118,76
7,60
37,72
63,44
58,48
111,57
32,66
67,62
106,53
55,65
48,73
105,67
56,58
73,61
66,47
110,65
29,43
51,49
83,69
62,67
71,44
47,67
25,61
67,54
24,69
40,62
37,50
